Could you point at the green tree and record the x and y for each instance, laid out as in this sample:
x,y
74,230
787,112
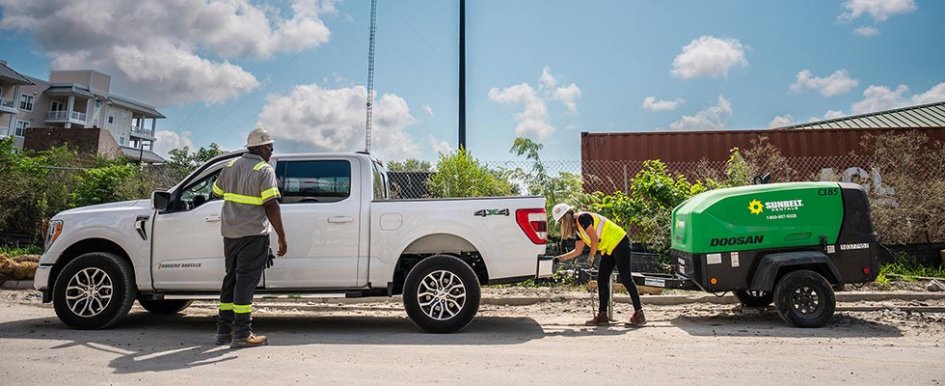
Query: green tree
x,y
182,161
566,187
460,175
409,165
35,187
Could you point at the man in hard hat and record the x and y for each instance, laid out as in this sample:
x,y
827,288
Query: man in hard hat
x,y
248,187
601,234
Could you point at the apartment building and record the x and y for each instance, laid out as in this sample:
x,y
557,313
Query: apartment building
x,y
10,84
72,100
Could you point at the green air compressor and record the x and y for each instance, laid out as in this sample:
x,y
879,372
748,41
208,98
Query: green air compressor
x,y
789,244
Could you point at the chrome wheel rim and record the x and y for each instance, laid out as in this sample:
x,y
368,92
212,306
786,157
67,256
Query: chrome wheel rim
x,y
89,292
441,295
805,300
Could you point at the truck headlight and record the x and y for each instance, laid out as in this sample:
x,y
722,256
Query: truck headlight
x,y
55,229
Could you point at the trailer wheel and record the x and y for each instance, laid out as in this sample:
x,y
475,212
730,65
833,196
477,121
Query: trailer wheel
x,y
441,294
164,307
750,298
94,291
804,299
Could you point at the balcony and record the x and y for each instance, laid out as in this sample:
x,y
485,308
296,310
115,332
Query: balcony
x,y
143,133
7,106
65,116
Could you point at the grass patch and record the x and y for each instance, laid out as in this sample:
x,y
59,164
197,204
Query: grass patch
x,y
30,250
908,270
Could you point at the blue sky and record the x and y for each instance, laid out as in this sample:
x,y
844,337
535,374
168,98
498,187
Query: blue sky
x,y
543,69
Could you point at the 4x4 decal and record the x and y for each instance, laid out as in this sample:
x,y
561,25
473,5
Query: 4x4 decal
x,y
491,212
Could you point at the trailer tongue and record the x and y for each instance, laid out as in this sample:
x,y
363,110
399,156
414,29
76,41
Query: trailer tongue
x,y
788,243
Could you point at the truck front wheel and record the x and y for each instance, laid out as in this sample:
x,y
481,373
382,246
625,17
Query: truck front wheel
x,y
804,299
441,294
94,291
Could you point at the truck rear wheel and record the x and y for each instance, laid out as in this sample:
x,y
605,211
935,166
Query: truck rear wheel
x,y
441,294
804,299
750,298
164,307
94,291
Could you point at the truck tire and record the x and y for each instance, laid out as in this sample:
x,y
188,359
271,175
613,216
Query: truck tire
x,y
441,294
94,291
750,298
164,307
804,299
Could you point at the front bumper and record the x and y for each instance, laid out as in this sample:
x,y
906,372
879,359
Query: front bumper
x,y
41,278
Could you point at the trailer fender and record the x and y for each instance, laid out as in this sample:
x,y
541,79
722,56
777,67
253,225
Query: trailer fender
x,y
770,265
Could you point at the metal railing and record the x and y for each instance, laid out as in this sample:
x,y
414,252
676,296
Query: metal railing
x,y
63,115
10,103
142,131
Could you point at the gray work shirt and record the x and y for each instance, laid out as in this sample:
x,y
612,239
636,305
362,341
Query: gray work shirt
x,y
245,184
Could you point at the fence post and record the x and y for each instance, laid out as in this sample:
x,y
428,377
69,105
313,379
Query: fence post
x,y
626,189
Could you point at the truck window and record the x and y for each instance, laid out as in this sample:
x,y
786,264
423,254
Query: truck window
x,y
197,193
314,181
380,185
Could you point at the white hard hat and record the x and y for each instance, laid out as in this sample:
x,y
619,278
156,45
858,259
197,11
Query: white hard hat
x,y
258,137
559,210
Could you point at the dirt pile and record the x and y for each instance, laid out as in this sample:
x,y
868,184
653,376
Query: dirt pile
x,y
18,267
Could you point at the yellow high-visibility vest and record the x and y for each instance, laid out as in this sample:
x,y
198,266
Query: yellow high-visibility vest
x,y
609,233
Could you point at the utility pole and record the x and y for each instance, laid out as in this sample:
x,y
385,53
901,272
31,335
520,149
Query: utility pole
x,y
370,79
462,74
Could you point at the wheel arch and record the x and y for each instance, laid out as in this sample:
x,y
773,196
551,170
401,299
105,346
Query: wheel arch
x,y
438,244
774,266
82,247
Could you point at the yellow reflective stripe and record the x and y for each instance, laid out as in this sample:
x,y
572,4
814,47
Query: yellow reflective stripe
x,y
230,164
242,308
217,189
241,199
266,194
226,306
260,165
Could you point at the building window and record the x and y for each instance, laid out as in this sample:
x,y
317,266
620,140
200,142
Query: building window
x,y
21,128
56,106
98,103
121,140
26,102
111,119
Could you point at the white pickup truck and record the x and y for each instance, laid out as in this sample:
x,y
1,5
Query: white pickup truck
x,y
346,238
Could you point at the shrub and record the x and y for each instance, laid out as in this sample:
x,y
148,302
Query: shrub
x,y
461,175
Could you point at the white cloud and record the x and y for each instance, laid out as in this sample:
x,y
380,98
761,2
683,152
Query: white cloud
x,y
880,10
878,98
935,94
311,118
712,118
781,121
428,110
169,140
439,146
532,122
837,83
866,31
167,52
709,56
834,114
651,104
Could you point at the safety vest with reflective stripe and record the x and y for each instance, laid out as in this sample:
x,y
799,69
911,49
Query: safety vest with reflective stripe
x,y
244,199
609,233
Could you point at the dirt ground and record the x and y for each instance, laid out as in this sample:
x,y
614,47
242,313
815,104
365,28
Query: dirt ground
x,y
545,343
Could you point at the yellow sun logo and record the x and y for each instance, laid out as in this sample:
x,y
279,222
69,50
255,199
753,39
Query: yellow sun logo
x,y
755,207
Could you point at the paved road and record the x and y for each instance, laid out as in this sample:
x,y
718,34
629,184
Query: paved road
x,y
538,344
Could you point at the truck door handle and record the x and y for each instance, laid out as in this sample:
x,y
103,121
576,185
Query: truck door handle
x,y
340,219
213,218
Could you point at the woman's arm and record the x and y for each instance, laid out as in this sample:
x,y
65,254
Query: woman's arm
x,y
578,248
595,241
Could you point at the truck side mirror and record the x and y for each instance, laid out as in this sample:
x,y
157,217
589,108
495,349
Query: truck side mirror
x,y
160,199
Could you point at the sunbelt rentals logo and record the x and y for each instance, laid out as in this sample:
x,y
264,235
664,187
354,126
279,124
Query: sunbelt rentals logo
x,y
757,207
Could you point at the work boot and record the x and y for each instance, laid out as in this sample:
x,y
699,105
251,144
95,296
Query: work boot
x,y
252,340
599,320
224,328
637,320
243,333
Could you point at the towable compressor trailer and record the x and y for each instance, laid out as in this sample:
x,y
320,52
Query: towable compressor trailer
x,y
789,244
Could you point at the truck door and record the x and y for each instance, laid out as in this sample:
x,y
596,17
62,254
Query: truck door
x,y
187,252
321,214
